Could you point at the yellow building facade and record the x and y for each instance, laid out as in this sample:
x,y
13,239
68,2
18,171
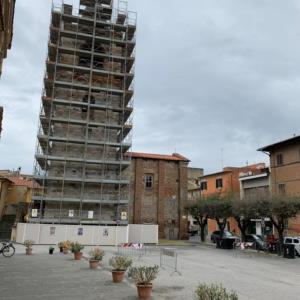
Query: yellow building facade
x,y
15,197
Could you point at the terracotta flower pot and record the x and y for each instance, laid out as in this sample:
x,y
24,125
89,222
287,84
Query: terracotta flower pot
x,y
144,291
65,250
94,264
118,276
77,255
28,251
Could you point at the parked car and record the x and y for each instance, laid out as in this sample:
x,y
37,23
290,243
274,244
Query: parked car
x,y
293,241
226,235
257,241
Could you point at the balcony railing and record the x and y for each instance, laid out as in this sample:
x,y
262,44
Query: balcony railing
x,y
73,215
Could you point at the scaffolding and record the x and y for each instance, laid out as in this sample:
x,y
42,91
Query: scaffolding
x,y
81,165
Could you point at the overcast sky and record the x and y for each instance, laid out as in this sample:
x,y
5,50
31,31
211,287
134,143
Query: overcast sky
x,y
210,75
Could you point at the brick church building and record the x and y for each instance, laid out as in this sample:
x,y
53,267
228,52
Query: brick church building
x,y
159,193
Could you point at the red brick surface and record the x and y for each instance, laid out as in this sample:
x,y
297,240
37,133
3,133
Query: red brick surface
x,y
164,203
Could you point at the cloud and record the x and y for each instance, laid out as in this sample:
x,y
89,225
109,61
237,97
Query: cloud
x,y
210,75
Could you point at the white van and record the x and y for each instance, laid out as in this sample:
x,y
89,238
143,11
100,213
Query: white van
x,y
293,241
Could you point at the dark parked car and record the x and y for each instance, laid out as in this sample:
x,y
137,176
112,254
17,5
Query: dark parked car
x,y
258,243
226,235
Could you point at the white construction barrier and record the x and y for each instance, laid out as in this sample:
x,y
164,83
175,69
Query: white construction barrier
x,y
84,234
133,250
145,234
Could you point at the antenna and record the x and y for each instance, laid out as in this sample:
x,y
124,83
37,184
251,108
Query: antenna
x,y
222,159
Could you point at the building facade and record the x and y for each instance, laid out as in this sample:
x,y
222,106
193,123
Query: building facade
x,y
85,119
194,175
257,183
15,198
224,182
285,173
159,193
7,12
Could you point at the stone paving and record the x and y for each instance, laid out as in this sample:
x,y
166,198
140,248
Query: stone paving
x,y
46,277
253,275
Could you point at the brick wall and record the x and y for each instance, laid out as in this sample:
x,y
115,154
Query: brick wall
x,y
164,202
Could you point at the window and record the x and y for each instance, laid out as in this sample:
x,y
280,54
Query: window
x,y
203,185
281,188
149,181
219,183
288,241
296,241
279,159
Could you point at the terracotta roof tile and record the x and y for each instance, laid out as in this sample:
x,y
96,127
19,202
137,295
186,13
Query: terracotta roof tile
x,y
20,181
173,157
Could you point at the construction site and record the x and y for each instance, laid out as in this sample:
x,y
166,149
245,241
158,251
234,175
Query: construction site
x,y
81,166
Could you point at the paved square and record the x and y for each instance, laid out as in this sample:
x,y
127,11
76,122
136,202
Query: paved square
x,y
254,276
42,276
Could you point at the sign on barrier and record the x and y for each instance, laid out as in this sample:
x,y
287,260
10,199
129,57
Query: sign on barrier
x,y
169,259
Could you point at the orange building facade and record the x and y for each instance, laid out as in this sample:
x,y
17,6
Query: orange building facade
x,y
285,174
224,182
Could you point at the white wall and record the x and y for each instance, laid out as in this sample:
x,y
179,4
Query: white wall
x,y
91,235
147,234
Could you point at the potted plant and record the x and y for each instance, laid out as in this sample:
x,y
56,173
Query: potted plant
x,y
95,256
60,246
143,277
28,244
76,249
66,246
51,250
214,291
120,264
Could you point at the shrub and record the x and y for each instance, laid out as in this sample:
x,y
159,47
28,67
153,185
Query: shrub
x,y
28,244
66,244
120,263
76,247
214,292
143,275
96,254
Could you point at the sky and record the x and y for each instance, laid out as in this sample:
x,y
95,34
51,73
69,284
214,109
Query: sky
x,y
215,79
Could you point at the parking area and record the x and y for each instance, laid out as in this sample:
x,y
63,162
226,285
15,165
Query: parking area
x,y
253,275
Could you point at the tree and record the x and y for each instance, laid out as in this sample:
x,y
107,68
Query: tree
x,y
282,208
219,208
244,210
242,213
278,209
198,210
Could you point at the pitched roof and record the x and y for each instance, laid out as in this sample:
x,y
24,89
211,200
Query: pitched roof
x,y
293,140
217,173
20,181
226,170
173,157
